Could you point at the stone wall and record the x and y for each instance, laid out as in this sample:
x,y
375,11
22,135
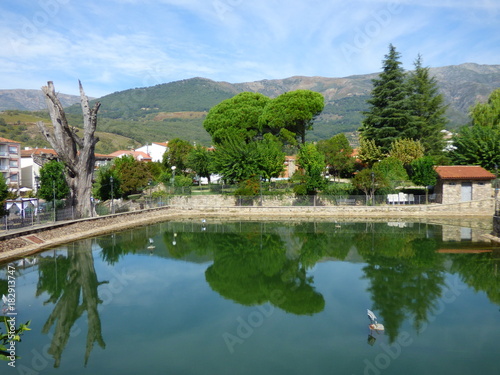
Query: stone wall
x,y
282,205
451,191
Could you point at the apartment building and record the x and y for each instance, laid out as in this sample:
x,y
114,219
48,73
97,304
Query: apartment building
x,y
10,162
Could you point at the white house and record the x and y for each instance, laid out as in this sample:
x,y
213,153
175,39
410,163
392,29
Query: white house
x,y
155,150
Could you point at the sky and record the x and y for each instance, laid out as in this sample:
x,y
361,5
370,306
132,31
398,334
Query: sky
x,y
114,45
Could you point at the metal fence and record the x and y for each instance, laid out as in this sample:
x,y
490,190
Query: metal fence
x,y
48,212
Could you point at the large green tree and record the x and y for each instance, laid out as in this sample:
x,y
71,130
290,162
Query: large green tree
x,y
134,176
477,145
177,154
272,157
423,173
388,117
406,150
200,161
392,170
369,152
427,108
292,113
107,184
338,155
369,181
479,142
52,181
487,114
236,118
313,163
237,161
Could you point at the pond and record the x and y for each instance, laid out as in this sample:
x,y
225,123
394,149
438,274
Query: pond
x,y
261,298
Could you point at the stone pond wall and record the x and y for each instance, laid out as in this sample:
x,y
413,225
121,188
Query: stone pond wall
x,y
282,205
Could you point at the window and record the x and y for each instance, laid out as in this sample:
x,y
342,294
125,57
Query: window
x,y
13,178
14,163
13,150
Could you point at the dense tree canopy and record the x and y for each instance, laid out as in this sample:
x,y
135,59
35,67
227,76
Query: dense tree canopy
x,y
272,156
479,143
369,152
52,181
405,106
236,118
338,155
392,170
292,112
369,181
103,188
134,175
237,161
313,164
488,114
388,117
199,160
177,154
406,150
427,108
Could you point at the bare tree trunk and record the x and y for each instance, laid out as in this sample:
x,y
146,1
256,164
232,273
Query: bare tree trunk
x,y
76,153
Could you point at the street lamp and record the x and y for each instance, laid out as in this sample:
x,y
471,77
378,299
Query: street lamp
x,y
373,187
173,176
37,185
496,190
112,200
54,198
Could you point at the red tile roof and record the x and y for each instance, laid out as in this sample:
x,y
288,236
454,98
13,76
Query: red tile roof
x,y
37,151
464,172
138,155
5,140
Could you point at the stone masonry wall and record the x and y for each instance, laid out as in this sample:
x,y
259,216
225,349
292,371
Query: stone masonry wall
x,y
483,207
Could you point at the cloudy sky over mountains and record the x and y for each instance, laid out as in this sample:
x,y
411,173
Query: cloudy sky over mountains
x,y
112,45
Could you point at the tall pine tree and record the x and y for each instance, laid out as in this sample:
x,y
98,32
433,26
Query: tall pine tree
x,y
427,108
389,118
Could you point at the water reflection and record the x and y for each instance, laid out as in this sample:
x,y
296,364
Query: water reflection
x,y
405,266
72,285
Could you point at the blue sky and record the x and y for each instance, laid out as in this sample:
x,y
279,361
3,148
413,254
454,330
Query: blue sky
x,y
113,45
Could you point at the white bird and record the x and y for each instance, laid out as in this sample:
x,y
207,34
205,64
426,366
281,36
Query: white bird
x,y
372,316
151,244
374,325
4,299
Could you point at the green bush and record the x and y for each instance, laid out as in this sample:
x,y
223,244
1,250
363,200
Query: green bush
x,y
338,188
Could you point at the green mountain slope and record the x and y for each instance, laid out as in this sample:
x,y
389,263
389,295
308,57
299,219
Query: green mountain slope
x,y
177,109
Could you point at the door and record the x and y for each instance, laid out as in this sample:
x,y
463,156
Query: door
x,y
466,191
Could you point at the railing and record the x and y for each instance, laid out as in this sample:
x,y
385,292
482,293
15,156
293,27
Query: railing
x,y
49,213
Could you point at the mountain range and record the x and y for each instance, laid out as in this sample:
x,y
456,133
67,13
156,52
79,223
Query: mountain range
x,y
177,109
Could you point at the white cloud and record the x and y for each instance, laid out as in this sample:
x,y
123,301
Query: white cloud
x,y
119,44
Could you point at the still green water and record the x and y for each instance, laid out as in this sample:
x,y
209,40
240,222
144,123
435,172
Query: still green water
x,y
262,298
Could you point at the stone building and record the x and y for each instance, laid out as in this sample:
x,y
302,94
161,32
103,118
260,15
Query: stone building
x,y
463,183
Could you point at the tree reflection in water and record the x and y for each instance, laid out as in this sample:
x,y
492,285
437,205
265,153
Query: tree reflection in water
x,y
257,263
71,283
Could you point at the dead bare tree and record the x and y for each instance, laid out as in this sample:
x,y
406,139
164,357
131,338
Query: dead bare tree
x,y
77,154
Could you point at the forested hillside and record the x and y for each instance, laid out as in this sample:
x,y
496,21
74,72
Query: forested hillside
x,y
177,109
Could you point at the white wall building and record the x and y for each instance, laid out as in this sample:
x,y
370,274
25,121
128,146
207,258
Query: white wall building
x,y
155,150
